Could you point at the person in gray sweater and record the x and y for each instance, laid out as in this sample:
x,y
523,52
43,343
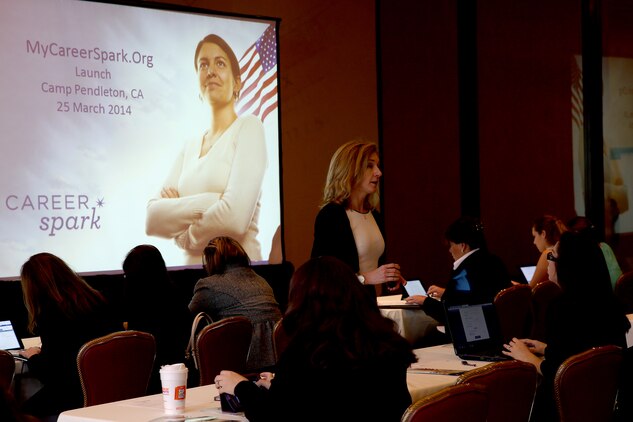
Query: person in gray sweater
x,y
234,289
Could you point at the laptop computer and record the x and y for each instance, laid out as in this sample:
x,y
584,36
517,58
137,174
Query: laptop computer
x,y
9,340
475,332
527,272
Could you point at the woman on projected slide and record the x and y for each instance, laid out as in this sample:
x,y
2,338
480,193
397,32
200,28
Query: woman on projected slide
x,y
215,185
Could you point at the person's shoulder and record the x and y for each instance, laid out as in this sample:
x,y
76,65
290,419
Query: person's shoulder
x,y
204,283
249,122
249,119
484,259
330,212
332,208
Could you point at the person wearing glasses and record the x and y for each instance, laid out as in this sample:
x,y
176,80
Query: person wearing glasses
x,y
234,289
215,184
585,315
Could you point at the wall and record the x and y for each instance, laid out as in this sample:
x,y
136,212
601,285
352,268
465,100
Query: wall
x,y
420,133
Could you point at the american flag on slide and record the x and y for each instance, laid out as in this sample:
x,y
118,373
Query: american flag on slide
x,y
258,67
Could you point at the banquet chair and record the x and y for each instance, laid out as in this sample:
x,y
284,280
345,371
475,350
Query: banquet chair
x,y
223,344
514,307
510,385
7,369
542,295
456,403
586,384
624,291
116,366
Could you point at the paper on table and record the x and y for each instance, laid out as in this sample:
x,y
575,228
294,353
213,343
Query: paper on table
x,y
436,371
394,301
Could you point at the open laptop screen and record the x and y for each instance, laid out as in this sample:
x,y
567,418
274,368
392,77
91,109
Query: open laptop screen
x,y
8,338
473,327
528,272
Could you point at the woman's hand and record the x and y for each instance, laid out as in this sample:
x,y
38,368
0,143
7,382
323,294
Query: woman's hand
x,y
416,299
523,350
385,273
435,292
264,379
31,351
535,346
169,193
226,381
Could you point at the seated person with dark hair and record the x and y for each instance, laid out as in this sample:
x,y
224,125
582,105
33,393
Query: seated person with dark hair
x,y
477,275
342,355
153,305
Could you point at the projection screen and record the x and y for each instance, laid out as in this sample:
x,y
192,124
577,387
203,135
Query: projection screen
x,y
104,107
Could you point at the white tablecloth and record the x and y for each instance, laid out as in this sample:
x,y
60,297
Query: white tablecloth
x,y
413,323
199,402
423,378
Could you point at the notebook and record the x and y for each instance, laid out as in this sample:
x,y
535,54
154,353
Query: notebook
x,y
475,332
8,338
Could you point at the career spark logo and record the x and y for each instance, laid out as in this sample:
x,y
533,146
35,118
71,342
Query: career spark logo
x,y
60,212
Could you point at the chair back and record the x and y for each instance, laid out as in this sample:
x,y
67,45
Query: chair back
x,y
222,345
280,339
624,291
542,295
7,369
585,385
514,307
116,366
510,385
456,403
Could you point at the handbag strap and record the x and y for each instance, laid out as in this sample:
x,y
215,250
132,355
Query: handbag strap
x,y
191,352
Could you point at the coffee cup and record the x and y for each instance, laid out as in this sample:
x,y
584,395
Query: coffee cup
x,y
174,382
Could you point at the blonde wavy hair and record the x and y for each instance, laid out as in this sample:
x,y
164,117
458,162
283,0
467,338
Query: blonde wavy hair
x,y
347,167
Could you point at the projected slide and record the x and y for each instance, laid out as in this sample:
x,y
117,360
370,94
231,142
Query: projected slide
x,y
119,127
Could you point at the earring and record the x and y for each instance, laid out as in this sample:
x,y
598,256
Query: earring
x,y
236,95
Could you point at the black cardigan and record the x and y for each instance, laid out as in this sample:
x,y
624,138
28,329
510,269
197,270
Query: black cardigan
x,y
333,235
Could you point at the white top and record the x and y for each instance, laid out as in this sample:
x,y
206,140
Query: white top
x,y
219,192
369,241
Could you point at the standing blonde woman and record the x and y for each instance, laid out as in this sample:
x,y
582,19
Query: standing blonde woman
x,y
349,226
